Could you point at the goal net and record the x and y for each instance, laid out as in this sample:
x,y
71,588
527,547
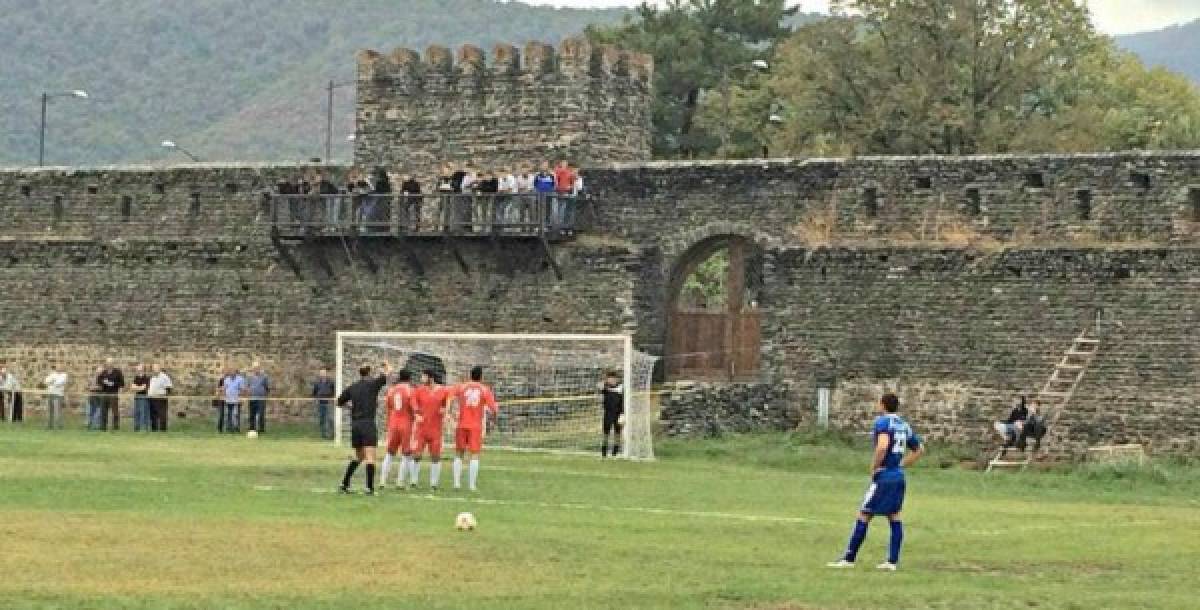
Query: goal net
x,y
547,386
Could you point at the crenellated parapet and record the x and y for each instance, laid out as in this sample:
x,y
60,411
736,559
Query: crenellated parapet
x,y
511,106
573,58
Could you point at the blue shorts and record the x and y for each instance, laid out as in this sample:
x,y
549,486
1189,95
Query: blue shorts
x,y
884,497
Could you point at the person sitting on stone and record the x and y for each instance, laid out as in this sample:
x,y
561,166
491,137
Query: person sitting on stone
x,y
1009,429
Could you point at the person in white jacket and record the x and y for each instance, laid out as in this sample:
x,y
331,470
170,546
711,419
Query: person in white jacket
x,y
56,396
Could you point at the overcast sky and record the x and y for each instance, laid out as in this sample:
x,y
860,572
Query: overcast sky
x,y
1112,16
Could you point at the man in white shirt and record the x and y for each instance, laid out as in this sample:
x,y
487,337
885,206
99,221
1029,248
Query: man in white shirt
x,y
507,187
525,190
9,386
160,386
56,392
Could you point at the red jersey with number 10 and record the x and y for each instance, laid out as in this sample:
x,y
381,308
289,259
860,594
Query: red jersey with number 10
x,y
473,397
399,404
430,403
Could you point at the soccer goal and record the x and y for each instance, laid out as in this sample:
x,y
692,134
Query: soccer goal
x,y
548,385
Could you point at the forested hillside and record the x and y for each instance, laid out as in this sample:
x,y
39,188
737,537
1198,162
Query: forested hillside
x,y
227,79
1176,48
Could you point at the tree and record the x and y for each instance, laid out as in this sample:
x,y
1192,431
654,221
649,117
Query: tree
x,y
955,77
696,45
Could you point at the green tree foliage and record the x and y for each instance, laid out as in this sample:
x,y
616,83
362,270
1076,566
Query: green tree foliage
x,y
965,76
696,45
228,79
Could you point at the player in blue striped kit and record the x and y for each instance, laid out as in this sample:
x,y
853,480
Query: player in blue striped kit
x,y
896,447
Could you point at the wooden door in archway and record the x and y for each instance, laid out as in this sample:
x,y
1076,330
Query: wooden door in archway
x,y
713,324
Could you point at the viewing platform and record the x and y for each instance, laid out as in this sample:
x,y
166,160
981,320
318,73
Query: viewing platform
x,y
547,217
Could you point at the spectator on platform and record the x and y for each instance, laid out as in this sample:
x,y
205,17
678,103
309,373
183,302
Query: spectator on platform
x,y
457,177
258,386
333,204
564,186
93,399
110,381
377,208
323,390
289,189
141,403
230,389
525,204
506,202
158,390
486,210
525,180
56,396
445,180
410,189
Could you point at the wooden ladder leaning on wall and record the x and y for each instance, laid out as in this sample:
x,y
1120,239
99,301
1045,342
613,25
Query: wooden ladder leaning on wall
x,y
1056,393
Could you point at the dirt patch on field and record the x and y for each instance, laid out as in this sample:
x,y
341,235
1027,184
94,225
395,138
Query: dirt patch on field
x,y
128,554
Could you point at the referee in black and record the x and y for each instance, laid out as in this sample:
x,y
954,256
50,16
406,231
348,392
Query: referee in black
x,y
363,396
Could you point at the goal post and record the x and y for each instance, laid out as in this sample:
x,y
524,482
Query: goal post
x,y
547,385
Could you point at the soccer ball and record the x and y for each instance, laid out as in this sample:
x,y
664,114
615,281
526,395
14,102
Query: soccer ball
x,y
252,434
465,522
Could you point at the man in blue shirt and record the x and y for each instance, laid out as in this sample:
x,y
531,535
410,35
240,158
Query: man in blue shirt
x,y
896,447
230,388
258,385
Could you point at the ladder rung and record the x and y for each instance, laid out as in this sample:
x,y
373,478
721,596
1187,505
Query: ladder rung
x,y
1082,340
1045,393
1073,367
1008,463
1075,352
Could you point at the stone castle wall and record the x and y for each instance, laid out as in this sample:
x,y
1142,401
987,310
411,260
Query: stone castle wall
x,y
579,102
955,281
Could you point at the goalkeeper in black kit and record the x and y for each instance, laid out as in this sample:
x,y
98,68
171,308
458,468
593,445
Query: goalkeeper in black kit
x,y
614,412
363,396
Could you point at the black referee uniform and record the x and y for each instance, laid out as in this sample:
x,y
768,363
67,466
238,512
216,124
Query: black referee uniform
x,y
363,396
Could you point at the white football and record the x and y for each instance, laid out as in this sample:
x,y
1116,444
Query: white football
x,y
252,434
465,522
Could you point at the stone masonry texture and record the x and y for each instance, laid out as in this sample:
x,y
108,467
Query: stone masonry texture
x,y
955,281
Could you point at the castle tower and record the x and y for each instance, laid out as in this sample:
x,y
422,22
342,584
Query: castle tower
x,y
585,103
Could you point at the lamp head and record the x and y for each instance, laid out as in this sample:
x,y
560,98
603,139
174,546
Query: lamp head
x,y
168,144
80,93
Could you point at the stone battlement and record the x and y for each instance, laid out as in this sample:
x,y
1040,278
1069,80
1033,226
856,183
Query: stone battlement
x,y
574,57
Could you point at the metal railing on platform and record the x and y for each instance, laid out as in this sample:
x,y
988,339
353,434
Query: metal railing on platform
x,y
549,216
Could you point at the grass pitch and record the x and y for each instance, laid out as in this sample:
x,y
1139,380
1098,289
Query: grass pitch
x,y
190,520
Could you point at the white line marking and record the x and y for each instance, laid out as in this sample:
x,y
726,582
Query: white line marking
x,y
584,507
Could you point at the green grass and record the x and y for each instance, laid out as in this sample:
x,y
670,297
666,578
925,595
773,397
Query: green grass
x,y
190,520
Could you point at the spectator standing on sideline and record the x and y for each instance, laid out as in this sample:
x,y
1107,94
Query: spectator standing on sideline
x,y
93,400
111,381
56,392
141,404
258,386
158,387
8,393
230,388
323,390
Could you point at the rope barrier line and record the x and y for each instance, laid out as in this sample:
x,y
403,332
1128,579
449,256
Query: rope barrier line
x,y
510,402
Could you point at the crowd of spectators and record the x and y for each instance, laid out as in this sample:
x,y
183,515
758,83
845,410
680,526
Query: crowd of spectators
x,y
145,398
463,197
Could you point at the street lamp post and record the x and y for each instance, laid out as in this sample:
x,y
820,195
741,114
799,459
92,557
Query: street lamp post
x,y
172,145
758,65
46,97
329,116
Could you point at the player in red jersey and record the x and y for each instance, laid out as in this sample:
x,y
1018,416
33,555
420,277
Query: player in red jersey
x,y
429,403
399,404
473,400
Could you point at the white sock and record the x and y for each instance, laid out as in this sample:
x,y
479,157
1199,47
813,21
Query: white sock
x,y
474,473
457,472
416,472
387,463
405,468
435,473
